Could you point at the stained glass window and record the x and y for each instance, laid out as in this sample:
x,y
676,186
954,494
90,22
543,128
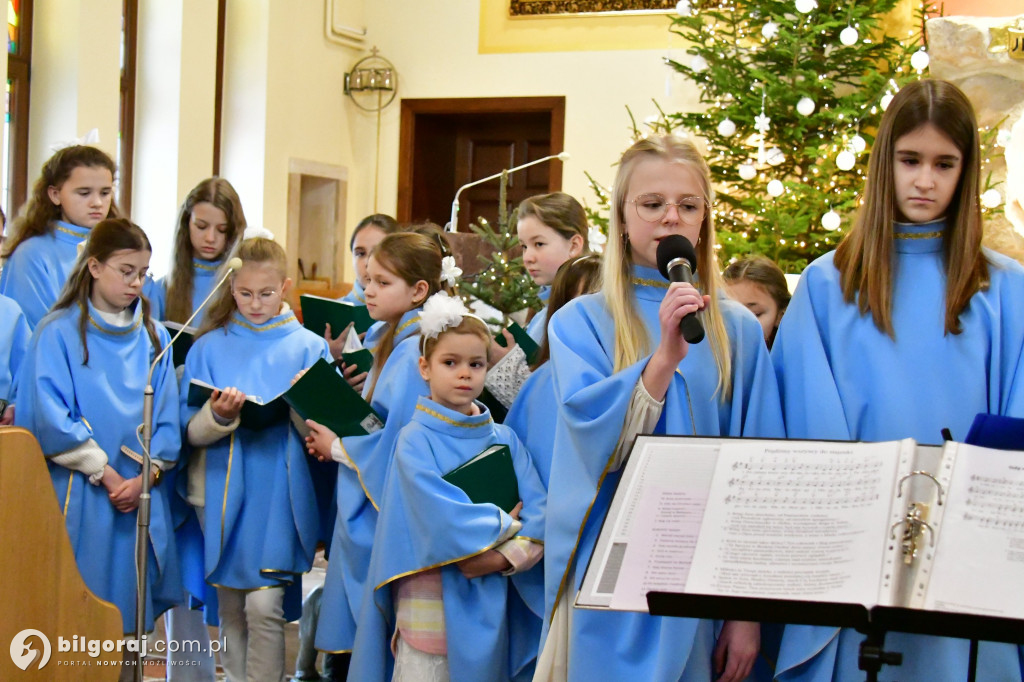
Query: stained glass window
x,y
13,25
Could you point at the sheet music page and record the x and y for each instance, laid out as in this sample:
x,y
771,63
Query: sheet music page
x,y
979,555
652,524
806,521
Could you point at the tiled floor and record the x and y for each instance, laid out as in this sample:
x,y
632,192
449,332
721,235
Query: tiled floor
x,y
155,668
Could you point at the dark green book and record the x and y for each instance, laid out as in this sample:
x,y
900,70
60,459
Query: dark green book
x,y
183,343
494,406
362,358
488,478
324,396
525,341
256,414
318,312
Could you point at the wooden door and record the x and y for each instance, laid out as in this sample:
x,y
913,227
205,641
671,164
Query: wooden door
x,y
447,143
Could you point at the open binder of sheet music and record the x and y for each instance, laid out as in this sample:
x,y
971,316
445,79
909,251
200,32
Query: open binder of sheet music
x,y
875,524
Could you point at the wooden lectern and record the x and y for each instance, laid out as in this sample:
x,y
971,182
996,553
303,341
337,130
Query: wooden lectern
x,y
41,588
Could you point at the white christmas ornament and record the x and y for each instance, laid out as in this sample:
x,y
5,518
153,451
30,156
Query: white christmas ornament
x,y
726,128
683,7
805,6
857,144
805,107
776,188
991,198
1003,138
774,156
885,102
831,220
845,160
698,63
919,60
747,171
848,36
770,30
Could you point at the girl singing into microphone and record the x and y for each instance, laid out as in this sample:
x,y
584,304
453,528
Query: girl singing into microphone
x,y
621,367
908,327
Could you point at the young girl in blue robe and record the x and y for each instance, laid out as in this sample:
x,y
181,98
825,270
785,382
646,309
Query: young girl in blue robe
x,y
439,575
74,192
210,221
260,515
552,229
80,392
909,327
404,269
12,351
621,367
531,415
366,235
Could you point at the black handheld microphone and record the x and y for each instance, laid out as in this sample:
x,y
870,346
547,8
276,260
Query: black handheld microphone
x,y
677,262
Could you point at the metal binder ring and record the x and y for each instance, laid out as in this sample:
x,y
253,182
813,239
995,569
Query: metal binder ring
x,y
899,486
914,522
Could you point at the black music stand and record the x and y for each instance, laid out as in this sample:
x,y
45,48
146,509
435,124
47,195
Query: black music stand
x,y
874,623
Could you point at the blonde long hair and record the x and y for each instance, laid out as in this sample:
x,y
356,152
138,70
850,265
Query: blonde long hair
x,y
254,250
632,341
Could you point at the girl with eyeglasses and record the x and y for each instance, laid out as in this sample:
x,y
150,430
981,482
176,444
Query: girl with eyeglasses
x,y
74,192
260,514
622,367
80,392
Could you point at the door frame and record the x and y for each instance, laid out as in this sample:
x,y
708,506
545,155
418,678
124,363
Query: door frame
x,y
412,108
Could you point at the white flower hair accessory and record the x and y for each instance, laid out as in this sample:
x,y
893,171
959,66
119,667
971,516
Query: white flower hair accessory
x,y
450,272
253,231
439,313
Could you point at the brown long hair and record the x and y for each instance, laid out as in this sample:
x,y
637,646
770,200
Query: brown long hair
x,y
381,221
632,341
109,236
219,193
412,257
575,277
864,257
40,211
254,250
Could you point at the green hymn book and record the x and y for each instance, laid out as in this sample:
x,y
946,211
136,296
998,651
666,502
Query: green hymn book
x,y
321,394
183,343
318,312
324,396
524,340
362,358
488,478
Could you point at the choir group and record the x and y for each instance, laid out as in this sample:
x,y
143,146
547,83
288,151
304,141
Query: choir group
x,y
908,327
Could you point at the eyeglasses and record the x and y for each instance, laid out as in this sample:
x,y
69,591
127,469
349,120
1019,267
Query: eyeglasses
x,y
247,297
130,275
653,208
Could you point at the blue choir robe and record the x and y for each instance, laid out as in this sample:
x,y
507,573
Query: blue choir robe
x,y
426,522
65,403
536,326
261,523
842,378
533,420
355,295
35,273
593,401
13,345
204,276
359,491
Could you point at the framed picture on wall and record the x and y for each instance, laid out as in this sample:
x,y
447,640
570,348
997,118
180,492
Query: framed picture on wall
x,y
534,8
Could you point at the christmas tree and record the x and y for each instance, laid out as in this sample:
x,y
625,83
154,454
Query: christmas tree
x,y
794,90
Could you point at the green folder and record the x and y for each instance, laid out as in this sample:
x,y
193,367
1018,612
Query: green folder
x,y
318,312
256,414
488,478
362,358
524,340
324,396
494,406
183,343
321,394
